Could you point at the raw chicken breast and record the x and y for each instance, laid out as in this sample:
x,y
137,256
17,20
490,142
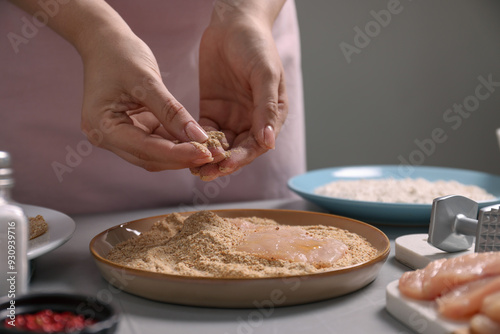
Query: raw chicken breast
x,y
467,299
290,243
441,276
488,321
410,283
491,307
481,324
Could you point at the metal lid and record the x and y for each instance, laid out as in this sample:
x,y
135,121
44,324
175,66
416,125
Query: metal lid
x,y
5,170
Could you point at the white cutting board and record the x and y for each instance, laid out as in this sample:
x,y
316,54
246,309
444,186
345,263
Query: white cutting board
x,y
414,251
421,316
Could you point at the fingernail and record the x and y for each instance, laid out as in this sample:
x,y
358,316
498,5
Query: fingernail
x,y
269,138
196,133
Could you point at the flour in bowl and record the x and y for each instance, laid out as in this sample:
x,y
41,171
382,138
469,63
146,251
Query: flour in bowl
x,y
390,190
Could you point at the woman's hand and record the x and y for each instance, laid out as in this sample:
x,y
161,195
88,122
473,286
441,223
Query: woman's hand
x,y
128,110
242,85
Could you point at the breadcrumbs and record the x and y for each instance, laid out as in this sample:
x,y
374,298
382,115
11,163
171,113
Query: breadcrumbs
x,y
216,139
37,226
390,190
203,245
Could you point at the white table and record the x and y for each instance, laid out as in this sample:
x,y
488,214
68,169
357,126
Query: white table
x,y
71,268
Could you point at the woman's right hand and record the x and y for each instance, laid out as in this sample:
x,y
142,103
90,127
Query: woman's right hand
x,y
128,110
126,107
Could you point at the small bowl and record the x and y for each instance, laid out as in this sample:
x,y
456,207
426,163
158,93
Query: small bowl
x,y
106,316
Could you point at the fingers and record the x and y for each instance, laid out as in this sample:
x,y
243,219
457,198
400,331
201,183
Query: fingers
x,y
219,152
152,153
137,145
246,150
271,108
267,117
148,139
172,115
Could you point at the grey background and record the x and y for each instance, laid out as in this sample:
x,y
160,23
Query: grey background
x,y
398,87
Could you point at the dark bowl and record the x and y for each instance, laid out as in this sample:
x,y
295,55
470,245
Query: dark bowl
x,y
105,315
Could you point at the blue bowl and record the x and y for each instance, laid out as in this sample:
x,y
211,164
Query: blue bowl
x,y
387,213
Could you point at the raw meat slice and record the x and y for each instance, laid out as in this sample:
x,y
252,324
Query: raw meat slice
x,y
481,324
467,299
290,243
441,276
491,307
410,283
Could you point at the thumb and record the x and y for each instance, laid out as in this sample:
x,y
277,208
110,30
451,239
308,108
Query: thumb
x,y
172,114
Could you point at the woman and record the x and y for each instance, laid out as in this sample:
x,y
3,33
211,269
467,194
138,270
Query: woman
x,y
232,65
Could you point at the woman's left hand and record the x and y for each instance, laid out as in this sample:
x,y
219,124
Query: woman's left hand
x,y
242,88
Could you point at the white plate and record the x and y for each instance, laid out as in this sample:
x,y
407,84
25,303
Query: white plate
x,y
61,228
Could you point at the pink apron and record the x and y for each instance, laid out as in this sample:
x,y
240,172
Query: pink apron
x,y
41,87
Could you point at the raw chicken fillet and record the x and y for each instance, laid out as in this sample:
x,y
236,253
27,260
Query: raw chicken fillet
x,y
290,243
443,275
464,288
466,300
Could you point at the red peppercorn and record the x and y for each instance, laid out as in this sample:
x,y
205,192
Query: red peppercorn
x,y
48,321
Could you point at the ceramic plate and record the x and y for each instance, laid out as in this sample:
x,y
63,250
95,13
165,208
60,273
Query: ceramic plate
x,y
61,228
242,293
392,213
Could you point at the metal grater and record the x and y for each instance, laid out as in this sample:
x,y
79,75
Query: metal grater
x,y
488,230
454,226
